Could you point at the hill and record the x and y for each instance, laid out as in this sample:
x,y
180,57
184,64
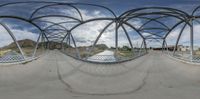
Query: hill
x,y
22,43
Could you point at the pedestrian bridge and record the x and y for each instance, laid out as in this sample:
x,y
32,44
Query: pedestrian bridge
x,y
63,50
83,30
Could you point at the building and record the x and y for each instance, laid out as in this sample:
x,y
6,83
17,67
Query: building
x,y
183,48
187,48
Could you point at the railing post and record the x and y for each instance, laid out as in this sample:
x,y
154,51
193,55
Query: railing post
x,y
14,39
116,39
38,40
141,47
191,40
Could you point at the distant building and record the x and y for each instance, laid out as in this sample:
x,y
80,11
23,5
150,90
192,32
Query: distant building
x,y
183,48
179,48
187,48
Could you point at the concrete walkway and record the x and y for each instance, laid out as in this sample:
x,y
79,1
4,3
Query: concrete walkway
x,y
57,76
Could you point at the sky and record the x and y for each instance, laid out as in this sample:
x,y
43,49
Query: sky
x,y
119,6
23,31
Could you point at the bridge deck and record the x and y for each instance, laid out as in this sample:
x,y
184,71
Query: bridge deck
x,y
57,76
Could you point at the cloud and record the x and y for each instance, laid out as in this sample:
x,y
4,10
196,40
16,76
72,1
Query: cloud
x,y
86,34
185,37
5,38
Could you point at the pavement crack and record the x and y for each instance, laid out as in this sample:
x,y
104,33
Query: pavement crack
x,y
143,82
60,76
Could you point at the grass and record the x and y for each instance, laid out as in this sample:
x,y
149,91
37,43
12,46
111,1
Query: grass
x,y
83,52
3,52
125,54
197,53
28,51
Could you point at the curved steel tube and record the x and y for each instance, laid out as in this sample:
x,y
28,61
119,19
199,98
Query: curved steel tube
x,y
58,32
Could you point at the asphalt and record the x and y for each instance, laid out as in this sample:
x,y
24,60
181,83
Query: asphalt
x,y
57,76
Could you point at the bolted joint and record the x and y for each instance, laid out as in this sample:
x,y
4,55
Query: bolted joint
x,y
117,20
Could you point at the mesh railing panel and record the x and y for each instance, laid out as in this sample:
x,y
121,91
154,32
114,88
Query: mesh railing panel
x,y
11,58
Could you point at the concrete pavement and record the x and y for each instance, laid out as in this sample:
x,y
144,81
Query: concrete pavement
x,y
57,76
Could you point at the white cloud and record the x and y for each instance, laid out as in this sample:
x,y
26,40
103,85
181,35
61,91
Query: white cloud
x,y
85,34
185,37
5,38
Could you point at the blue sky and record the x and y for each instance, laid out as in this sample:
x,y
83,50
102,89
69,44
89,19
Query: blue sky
x,y
118,6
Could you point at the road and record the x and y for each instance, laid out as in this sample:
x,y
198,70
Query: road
x,y
57,76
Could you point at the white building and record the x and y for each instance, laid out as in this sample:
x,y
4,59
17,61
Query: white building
x,y
187,48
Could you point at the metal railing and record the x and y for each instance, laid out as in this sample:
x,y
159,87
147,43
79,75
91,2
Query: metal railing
x,y
103,58
184,56
107,59
11,58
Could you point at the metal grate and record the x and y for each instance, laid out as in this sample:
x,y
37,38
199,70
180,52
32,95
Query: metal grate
x,y
11,58
103,58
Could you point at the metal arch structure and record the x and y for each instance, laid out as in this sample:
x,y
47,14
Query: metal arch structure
x,y
152,27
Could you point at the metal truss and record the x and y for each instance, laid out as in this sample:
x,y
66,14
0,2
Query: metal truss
x,y
58,32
